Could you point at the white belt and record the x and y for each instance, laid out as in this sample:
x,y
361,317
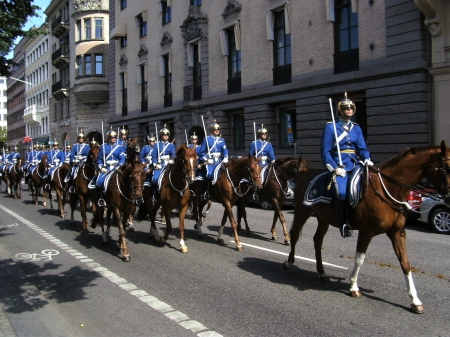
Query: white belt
x,y
165,158
263,158
216,154
111,162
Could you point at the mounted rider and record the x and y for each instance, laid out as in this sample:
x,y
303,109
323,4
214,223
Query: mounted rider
x,y
122,141
213,152
56,158
68,153
146,159
110,157
162,155
11,160
78,156
261,147
352,152
34,158
198,171
3,164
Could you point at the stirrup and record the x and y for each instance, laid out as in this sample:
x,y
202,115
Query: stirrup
x,y
101,202
47,186
346,231
71,189
289,192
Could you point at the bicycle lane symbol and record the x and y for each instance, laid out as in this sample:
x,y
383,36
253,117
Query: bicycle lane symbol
x,y
9,226
45,255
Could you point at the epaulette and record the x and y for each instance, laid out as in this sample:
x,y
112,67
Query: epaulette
x,y
329,122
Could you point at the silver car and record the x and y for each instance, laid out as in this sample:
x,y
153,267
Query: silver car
x,y
437,214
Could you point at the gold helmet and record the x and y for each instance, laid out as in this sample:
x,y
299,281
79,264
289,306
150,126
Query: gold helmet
x,y
36,146
346,103
41,146
262,130
30,148
123,131
93,142
68,147
81,134
111,134
151,138
7,150
164,131
55,143
15,147
214,126
194,136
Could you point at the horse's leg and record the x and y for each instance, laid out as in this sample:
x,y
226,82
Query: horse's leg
x,y
398,239
152,211
167,213
123,244
222,226
278,214
182,215
302,213
209,203
20,190
130,226
84,220
60,203
105,234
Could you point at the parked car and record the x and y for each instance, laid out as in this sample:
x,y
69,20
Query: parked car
x,y
436,214
414,199
264,204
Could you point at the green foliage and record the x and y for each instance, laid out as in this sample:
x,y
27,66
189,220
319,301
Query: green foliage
x,y
3,135
13,17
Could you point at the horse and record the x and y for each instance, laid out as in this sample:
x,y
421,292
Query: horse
x,y
4,177
124,190
39,178
57,182
15,179
196,202
381,209
175,193
275,189
85,174
228,189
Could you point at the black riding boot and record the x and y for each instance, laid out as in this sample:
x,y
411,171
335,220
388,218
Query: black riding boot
x,y
341,209
205,194
153,193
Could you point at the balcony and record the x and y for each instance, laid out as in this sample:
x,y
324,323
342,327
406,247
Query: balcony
x,y
60,26
168,100
60,59
91,91
59,91
234,85
346,61
282,75
33,114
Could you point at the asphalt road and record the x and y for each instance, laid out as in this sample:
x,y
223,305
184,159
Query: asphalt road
x,y
57,282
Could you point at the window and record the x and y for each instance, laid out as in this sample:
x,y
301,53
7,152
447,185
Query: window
x,y
282,50
239,132
287,117
2,80
167,80
98,28
123,88
123,4
88,65
143,83
87,29
234,62
166,12
197,72
62,111
80,65
197,3
346,57
56,112
68,108
78,32
142,26
99,64
123,41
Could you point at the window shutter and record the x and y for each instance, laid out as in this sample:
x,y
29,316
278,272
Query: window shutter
x,y
237,34
170,61
190,55
160,6
287,17
269,25
199,43
354,6
162,72
224,42
330,10
169,3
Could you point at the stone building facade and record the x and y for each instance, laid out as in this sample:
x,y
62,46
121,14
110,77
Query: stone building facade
x,y
79,73
277,62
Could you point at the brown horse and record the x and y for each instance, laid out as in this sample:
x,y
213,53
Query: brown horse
x,y
15,179
85,174
4,177
228,189
39,178
57,182
175,193
197,203
124,190
381,210
275,189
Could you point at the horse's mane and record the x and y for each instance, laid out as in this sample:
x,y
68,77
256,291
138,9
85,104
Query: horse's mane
x,y
391,162
280,161
133,149
182,148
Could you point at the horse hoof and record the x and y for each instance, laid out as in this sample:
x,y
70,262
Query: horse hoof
x,y
44,204
274,238
220,241
287,242
126,258
239,248
62,216
355,294
287,265
195,226
184,249
131,229
418,309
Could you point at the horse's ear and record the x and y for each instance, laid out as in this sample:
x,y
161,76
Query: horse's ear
x,y
443,147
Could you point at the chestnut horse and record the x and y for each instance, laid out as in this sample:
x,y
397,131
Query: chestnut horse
x,y
57,182
124,191
39,178
381,210
175,193
275,189
15,179
4,177
228,188
85,174
197,203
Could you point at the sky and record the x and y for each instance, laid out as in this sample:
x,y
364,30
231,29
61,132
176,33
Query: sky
x,y
34,21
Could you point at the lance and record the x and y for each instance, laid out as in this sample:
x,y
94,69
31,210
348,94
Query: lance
x,y
335,133
157,142
185,133
103,136
256,144
206,137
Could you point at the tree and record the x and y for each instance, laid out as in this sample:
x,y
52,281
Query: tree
x,y
13,17
3,140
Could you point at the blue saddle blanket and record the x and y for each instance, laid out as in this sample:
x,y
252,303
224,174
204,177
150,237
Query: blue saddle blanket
x,y
318,192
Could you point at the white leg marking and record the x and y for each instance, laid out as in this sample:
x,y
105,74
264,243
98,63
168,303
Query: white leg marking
x,y
412,292
182,243
105,237
155,234
220,232
359,260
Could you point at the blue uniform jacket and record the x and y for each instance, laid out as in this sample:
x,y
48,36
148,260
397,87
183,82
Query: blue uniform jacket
x,y
217,151
79,152
166,152
114,157
146,155
56,158
264,149
12,156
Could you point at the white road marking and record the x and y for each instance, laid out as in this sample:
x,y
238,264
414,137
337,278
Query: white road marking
x,y
296,256
164,308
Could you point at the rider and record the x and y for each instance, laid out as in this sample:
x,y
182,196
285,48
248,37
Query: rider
x,y
12,158
56,158
146,158
353,151
212,153
162,155
109,158
3,164
263,148
198,171
123,133
68,153
78,155
34,158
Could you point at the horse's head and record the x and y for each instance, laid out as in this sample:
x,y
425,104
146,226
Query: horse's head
x,y
188,158
136,179
133,150
254,169
44,161
19,164
93,153
301,167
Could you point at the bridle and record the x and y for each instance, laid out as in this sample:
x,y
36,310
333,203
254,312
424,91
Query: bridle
x,y
186,175
134,189
87,163
251,184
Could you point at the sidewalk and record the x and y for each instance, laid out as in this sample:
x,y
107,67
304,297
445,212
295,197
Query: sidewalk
x,y
6,329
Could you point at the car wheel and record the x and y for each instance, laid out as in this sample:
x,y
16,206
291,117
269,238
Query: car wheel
x,y
265,204
440,220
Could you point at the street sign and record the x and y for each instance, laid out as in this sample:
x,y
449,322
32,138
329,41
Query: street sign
x,y
289,128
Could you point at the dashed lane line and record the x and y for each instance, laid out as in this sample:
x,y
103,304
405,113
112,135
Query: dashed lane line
x,y
158,305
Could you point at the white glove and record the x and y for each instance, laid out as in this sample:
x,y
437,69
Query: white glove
x,y
368,162
340,171
210,161
103,170
225,160
158,166
170,161
52,166
76,161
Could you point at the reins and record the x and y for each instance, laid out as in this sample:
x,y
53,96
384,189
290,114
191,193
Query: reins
x,y
235,189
